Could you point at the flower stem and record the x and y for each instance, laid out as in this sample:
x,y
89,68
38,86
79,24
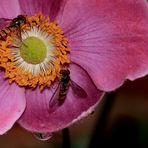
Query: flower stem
x,y
66,138
98,137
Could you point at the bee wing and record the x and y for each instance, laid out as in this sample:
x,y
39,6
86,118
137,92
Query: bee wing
x,y
78,90
4,22
54,99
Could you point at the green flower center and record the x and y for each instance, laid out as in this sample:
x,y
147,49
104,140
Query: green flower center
x,y
33,50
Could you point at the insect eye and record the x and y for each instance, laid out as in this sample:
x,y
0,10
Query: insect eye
x,y
17,23
68,72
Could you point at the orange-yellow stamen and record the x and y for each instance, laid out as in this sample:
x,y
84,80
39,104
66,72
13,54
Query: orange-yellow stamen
x,y
44,73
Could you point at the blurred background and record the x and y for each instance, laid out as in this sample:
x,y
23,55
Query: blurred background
x,y
120,120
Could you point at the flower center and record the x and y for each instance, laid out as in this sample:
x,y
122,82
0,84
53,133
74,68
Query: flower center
x,y
33,54
33,50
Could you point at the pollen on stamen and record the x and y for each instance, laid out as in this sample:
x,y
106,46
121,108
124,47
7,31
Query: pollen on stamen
x,y
29,72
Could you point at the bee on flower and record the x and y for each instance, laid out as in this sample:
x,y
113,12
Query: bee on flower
x,y
101,42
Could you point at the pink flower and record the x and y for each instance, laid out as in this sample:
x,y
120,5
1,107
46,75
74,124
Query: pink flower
x,y
108,42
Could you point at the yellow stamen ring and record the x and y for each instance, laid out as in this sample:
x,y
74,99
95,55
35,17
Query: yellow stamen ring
x,y
46,67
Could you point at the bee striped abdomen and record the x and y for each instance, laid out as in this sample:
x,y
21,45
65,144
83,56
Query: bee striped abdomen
x,y
4,32
63,91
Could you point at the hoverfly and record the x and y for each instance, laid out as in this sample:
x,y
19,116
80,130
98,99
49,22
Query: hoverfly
x,y
15,23
60,93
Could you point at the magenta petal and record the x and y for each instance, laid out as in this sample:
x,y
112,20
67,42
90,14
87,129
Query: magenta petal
x,y
38,116
47,7
9,8
108,38
12,104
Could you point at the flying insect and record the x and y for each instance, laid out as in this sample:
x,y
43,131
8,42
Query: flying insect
x,y
11,25
61,91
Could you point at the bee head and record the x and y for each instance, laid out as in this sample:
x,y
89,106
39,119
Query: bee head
x,y
18,21
64,75
65,72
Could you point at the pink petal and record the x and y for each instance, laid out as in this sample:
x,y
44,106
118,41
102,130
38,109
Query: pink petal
x,y
9,8
38,117
12,104
47,7
108,38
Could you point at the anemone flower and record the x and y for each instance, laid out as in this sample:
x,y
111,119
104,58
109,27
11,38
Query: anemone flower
x,y
57,57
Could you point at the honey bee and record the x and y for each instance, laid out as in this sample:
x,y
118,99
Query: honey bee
x,y
13,24
60,93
